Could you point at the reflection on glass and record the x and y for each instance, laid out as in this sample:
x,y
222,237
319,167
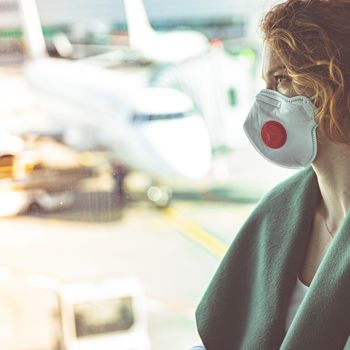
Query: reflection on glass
x,y
106,316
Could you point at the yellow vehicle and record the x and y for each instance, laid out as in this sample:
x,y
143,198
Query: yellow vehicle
x,y
43,173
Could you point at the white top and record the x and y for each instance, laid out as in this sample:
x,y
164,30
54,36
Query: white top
x,y
298,295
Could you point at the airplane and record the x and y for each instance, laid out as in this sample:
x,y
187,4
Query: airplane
x,y
145,44
152,129
161,47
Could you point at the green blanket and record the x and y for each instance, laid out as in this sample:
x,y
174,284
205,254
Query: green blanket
x,y
245,306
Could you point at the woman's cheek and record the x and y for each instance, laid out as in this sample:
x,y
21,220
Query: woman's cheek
x,y
287,91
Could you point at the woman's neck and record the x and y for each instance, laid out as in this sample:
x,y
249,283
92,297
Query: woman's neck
x,y
332,167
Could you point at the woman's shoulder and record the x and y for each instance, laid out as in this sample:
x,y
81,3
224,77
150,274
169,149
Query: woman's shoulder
x,y
291,189
285,200
283,209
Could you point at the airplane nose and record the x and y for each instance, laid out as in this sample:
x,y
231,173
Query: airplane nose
x,y
182,144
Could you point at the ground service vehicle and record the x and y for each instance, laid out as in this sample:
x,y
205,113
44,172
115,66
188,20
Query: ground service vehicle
x,y
39,313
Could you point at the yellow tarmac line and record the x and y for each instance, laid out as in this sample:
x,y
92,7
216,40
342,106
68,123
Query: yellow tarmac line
x,y
197,234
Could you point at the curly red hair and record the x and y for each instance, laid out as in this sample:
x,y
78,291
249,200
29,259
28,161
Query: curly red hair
x,y
312,38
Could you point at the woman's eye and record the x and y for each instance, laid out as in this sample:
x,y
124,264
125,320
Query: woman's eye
x,y
282,79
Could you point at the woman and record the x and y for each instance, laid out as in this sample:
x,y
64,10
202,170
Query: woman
x,y
285,281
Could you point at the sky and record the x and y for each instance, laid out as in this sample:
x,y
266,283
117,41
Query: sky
x,y
53,11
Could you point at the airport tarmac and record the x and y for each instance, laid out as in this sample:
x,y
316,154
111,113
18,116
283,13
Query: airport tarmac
x,y
173,252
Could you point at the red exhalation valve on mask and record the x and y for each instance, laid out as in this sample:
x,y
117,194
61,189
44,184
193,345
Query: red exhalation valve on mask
x,y
273,134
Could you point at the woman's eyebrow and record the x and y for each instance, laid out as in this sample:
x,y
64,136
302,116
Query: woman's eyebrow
x,y
273,70
276,69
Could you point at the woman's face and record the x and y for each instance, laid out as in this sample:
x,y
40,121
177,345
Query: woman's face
x,y
276,78
275,74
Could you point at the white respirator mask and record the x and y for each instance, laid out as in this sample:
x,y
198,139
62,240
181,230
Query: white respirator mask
x,y
283,129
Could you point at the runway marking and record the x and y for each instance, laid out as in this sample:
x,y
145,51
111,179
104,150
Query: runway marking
x,y
197,234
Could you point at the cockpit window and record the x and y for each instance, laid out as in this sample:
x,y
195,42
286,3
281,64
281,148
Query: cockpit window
x,y
140,117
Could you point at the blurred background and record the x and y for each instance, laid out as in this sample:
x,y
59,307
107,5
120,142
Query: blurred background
x,y
124,169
